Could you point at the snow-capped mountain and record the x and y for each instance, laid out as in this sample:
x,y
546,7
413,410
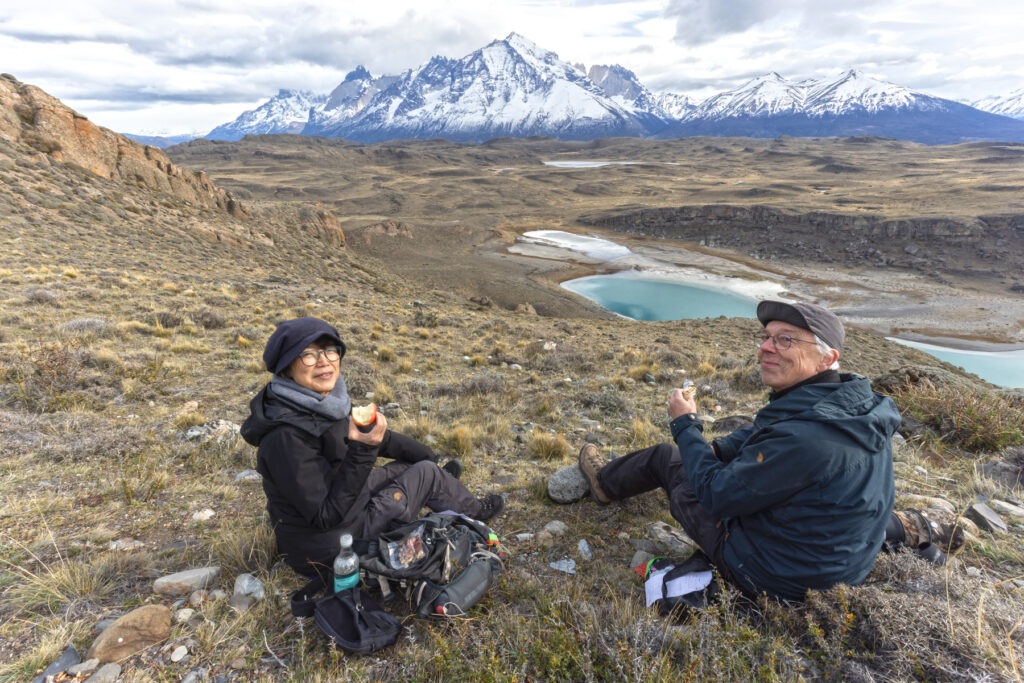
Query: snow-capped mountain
x,y
853,104
348,99
510,87
1011,105
286,112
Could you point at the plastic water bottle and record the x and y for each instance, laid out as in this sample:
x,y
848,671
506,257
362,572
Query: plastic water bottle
x,y
346,566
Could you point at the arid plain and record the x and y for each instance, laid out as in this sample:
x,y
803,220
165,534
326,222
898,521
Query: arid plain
x,y
901,237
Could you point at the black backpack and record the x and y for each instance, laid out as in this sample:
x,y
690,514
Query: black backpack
x,y
351,619
443,563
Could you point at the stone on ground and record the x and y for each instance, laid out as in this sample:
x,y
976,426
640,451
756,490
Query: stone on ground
x,y
136,630
673,539
183,583
567,485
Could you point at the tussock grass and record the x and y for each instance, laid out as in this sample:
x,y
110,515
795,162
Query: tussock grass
x,y
546,446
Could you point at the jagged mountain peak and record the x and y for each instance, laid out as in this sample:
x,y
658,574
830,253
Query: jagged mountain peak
x,y
358,74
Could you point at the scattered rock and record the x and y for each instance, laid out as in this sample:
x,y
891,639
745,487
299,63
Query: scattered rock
x,y
108,673
195,676
986,518
672,538
544,539
214,430
197,598
125,544
203,515
564,566
523,538
584,548
1004,473
973,572
248,475
482,301
179,653
247,584
86,667
218,594
516,366
640,557
645,545
556,528
101,625
568,485
241,603
182,583
136,630
67,658
1005,508
526,308
183,615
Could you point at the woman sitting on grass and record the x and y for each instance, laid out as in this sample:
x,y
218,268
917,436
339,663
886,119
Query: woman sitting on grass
x,y
318,467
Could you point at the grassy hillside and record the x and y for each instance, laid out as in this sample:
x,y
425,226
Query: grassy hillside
x,y
128,317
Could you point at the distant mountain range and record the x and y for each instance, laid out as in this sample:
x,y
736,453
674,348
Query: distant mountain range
x,y
514,88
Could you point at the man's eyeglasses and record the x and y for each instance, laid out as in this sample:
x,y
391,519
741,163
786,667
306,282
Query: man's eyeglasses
x,y
331,353
781,341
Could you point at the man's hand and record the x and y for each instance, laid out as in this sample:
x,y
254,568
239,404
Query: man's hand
x,y
372,437
680,404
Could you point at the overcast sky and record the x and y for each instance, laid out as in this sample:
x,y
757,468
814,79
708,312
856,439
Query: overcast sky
x,y
179,66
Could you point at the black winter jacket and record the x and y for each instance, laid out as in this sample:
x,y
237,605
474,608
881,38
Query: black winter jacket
x,y
313,477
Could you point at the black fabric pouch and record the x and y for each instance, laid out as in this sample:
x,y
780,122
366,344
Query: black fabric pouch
x,y
351,619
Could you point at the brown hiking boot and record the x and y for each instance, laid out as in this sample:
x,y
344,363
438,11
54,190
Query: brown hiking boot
x,y
935,525
590,462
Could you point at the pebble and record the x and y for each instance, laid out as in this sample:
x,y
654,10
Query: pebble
x,y
564,566
182,583
198,597
248,475
241,603
639,557
195,676
107,673
544,538
556,528
179,653
202,515
125,544
218,594
675,540
214,430
974,572
516,366
523,538
183,615
585,552
86,667
247,584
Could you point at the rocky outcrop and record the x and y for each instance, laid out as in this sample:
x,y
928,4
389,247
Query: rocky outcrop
x,y
31,117
983,243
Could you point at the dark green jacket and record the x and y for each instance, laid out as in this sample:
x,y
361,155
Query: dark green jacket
x,y
805,492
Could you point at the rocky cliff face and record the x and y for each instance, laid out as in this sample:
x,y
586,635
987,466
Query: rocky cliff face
x,y
982,245
30,116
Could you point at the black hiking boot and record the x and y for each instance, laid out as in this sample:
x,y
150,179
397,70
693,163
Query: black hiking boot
x,y
490,507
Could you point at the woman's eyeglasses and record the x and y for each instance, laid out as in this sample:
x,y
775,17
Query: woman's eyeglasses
x,y
331,353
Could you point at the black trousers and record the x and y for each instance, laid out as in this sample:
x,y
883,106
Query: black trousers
x,y
662,467
399,490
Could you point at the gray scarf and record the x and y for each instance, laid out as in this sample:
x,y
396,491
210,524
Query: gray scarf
x,y
333,406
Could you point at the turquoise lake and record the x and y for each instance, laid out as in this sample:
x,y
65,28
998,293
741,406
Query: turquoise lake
x,y
652,299
643,298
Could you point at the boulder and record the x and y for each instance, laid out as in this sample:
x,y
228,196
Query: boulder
x,y
568,485
134,631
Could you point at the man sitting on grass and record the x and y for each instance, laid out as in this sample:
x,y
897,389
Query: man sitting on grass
x,y
799,499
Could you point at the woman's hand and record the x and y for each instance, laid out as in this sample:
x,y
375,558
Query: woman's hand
x,y
680,404
372,437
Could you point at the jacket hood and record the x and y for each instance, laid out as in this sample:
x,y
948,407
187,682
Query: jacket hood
x,y
848,406
266,415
